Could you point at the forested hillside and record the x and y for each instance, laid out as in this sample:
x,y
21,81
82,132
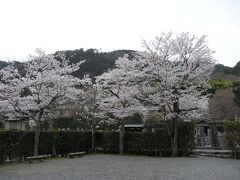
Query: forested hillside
x,y
97,62
221,104
226,73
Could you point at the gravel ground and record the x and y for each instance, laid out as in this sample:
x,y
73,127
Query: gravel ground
x,y
106,167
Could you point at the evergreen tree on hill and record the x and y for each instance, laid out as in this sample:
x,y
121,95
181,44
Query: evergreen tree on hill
x,y
96,63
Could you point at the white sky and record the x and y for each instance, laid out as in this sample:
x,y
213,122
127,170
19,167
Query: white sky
x,y
115,24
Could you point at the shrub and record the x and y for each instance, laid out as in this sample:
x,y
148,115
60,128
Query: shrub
x,y
107,141
186,138
157,143
18,144
2,147
71,141
232,129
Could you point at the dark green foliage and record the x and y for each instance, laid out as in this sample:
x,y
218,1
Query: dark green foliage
x,y
155,121
3,64
157,143
2,147
18,65
17,145
134,119
107,141
232,126
1,125
45,142
64,123
236,91
71,141
24,145
186,138
223,69
12,140
96,63
44,125
221,84
219,68
232,129
222,72
67,123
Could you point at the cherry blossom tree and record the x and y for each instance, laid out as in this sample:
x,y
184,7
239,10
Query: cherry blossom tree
x,y
89,109
45,81
85,105
171,76
117,99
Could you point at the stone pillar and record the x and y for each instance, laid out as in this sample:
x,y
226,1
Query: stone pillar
x,y
214,136
209,136
199,136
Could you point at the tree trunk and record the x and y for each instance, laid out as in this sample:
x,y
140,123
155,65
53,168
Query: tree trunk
x,y
54,152
170,131
37,133
121,139
172,128
93,138
175,129
36,138
175,139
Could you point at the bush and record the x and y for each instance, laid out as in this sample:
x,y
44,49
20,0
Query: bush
x,y
232,129
107,142
2,147
157,143
17,145
71,141
186,138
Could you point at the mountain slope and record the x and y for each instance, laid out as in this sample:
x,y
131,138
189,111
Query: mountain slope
x,y
222,72
97,63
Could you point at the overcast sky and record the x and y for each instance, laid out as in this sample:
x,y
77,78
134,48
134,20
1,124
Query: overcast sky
x,y
115,24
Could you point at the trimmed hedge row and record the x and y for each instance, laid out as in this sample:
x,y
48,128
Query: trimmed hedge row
x,y
107,142
159,143
14,144
18,145
232,129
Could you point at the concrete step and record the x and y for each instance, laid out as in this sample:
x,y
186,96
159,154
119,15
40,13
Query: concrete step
x,y
211,153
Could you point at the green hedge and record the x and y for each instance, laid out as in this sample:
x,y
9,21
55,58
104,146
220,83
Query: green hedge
x,y
232,129
186,138
15,144
2,147
71,141
18,145
107,142
159,143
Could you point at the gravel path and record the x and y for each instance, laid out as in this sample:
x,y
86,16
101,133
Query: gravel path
x,y
106,167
